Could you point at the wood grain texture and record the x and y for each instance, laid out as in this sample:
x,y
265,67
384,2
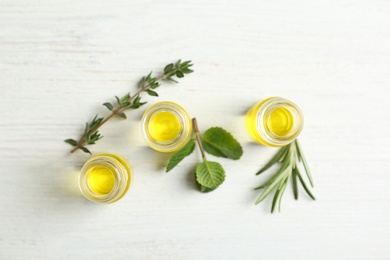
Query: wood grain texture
x,y
59,60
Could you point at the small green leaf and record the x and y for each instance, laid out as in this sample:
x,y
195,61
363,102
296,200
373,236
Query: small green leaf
x,y
155,85
209,174
219,142
109,106
171,79
125,104
141,83
181,154
168,68
152,93
85,150
71,142
125,98
179,74
94,137
202,188
187,71
118,100
137,103
149,77
186,64
122,115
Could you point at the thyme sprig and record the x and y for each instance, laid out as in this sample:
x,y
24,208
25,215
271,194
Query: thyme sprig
x,y
287,157
147,84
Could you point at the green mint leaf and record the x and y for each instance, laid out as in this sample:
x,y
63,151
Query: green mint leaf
x,y
220,143
152,93
122,115
85,150
202,188
71,142
209,174
181,154
109,106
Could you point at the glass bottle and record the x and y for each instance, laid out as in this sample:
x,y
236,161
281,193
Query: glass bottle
x,y
166,126
105,178
274,121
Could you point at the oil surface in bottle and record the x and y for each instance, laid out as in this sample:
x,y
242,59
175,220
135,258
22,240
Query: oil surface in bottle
x,y
164,126
101,180
280,121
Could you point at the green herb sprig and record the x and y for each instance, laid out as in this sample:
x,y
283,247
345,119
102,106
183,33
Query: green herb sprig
x,y
147,84
216,141
287,158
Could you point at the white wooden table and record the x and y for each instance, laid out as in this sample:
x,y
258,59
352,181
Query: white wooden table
x,y
60,60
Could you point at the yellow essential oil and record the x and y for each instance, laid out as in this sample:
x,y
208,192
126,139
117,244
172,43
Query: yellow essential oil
x,y
274,121
105,178
100,180
280,121
166,126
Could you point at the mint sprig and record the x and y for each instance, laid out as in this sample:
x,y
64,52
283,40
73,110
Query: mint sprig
x,y
215,141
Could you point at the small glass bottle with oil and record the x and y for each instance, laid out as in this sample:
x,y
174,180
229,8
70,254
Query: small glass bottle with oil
x,y
105,178
166,126
274,121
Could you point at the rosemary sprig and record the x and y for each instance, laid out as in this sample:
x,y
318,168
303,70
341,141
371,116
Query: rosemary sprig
x,y
287,157
147,84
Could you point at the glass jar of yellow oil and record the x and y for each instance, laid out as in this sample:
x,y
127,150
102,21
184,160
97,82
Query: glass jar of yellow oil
x,y
166,126
105,178
274,121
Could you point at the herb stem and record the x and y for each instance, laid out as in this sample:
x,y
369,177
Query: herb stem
x,y
198,137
